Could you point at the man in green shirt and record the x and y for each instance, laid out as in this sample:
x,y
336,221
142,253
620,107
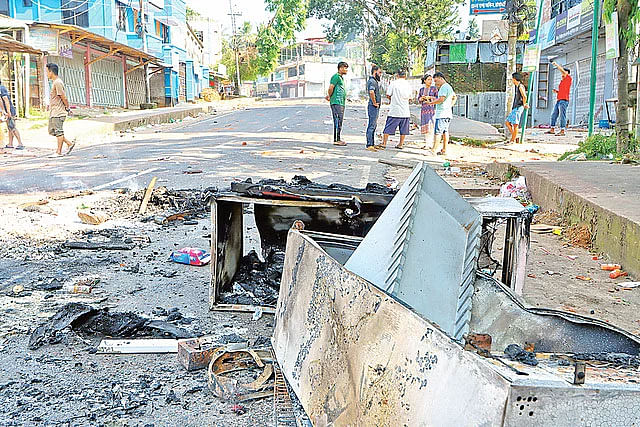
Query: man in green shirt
x,y
337,96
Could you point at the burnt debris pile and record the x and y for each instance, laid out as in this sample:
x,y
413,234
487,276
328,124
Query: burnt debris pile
x,y
256,282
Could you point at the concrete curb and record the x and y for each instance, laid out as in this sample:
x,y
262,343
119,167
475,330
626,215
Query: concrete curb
x,y
106,125
613,234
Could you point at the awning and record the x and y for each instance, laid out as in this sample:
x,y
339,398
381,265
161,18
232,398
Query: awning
x,y
7,44
77,34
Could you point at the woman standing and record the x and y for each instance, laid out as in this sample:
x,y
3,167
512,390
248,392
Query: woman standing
x,y
427,122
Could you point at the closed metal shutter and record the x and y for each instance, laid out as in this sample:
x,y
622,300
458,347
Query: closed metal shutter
x,y
135,87
107,83
71,71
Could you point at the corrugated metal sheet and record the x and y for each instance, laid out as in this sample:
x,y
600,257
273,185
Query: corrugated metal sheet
x,y
423,250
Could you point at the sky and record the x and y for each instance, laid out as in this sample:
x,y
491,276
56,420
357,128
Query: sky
x,y
254,12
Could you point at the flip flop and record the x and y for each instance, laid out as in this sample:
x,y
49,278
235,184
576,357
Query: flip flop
x,y
340,143
20,147
398,147
380,147
71,147
6,146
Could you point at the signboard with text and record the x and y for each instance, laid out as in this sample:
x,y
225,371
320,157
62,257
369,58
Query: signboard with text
x,y
44,39
611,37
486,7
577,20
531,58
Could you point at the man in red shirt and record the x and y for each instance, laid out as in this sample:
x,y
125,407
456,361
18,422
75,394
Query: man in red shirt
x,y
562,93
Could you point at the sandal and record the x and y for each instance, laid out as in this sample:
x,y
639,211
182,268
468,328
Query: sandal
x,y
441,153
380,147
398,147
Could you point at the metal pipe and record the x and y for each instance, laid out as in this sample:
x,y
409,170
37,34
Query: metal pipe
x,y
594,61
532,76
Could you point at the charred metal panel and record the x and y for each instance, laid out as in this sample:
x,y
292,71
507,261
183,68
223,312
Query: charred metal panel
x,y
227,241
500,313
356,356
557,405
423,250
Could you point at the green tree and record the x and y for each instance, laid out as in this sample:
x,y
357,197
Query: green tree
x,y
288,17
397,30
472,30
247,54
628,22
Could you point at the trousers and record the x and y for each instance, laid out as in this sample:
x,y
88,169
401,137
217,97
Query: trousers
x,y
373,123
560,111
337,111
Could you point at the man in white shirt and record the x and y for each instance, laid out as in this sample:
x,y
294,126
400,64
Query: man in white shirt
x,y
444,111
399,92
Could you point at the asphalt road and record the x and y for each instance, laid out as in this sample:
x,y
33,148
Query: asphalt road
x,y
262,142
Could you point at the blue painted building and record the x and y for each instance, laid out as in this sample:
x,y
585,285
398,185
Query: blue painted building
x,y
167,33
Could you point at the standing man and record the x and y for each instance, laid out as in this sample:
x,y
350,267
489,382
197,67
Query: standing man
x,y
399,93
562,102
373,108
337,96
9,111
58,109
519,105
444,112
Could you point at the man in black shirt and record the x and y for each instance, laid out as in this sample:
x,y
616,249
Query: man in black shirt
x,y
373,108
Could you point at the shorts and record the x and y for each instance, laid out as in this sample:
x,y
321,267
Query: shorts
x,y
442,126
396,122
55,126
515,115
11,123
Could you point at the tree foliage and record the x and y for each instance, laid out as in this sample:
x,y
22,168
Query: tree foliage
x,y
247,54
396,30
288,17
628,22
472,30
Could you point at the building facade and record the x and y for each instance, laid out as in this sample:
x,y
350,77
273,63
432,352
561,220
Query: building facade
x,y
304,70
103,47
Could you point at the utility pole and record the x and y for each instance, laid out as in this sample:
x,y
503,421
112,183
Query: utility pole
x,y
145,48
234,44
511,60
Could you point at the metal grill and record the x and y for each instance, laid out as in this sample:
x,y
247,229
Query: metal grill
x,y
106,83
135,87
72,73
582,98
182,97
282,405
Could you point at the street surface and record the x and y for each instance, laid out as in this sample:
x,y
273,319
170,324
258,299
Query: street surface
x,y
271,141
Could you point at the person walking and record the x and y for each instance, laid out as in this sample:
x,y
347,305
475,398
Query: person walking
x,y
337,96
9,112
562,101
399,92
58,110
444,112
517,108
373,107
427,114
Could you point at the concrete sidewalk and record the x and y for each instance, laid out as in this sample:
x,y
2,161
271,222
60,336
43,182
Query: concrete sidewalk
x,y
601,195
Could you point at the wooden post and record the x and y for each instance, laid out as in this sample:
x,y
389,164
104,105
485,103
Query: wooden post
x,y
124,76
87,75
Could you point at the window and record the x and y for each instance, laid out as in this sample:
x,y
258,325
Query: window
x,y
292,72
121,25
162,31
75,12
4,7
301,70
27,3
